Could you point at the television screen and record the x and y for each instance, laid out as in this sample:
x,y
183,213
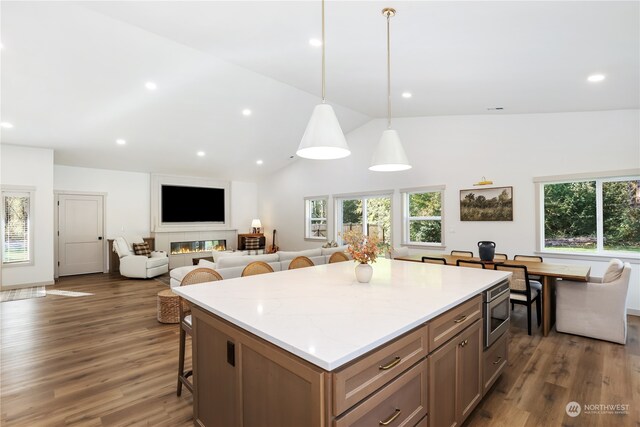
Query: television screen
x,y
192,204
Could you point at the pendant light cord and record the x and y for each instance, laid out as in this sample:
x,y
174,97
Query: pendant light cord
x,y
388,72
323,60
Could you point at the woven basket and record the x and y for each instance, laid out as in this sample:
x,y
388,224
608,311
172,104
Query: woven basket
x,y
168,307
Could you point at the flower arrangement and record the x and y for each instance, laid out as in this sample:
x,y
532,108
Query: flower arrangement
x,y
363,249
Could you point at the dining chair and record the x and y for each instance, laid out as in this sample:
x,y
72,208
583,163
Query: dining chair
x,y
597,308
531,258
199,275
338,257
256,267
300,262
500,257
470,264
522,291
467,254
399,252
433,260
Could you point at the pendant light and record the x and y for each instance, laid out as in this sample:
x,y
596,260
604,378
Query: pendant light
x,y
323,139
389,155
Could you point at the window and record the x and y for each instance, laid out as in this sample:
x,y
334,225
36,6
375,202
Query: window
x,y
16,227
370,215
316,218
595,216
422,212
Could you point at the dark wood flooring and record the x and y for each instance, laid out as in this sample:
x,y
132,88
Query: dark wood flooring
x,y
91,353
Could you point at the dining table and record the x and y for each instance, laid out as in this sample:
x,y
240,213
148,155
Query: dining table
x,y
548,272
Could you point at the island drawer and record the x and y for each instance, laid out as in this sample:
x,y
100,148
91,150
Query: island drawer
x,y
495,359
452,322
360,379
402,403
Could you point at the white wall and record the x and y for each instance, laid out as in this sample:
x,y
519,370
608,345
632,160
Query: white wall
x,y
244,205
127,200
33,167
457,151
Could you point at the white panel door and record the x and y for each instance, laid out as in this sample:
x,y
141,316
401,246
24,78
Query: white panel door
x,y
80,244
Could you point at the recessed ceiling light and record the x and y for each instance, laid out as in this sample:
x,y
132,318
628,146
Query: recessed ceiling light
x,y
246,112
6,125
121,141
151,85
596,78
259,162
315,42
200,153
406,94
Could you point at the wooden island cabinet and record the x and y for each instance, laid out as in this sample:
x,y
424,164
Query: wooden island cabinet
x,y
242,380
267,364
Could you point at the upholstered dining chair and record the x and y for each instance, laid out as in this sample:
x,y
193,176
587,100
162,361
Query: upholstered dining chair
x,y
598,308
467,254
434,260
500,257
338,257
399,252
522,291
199,275
300,262
470,264
256,267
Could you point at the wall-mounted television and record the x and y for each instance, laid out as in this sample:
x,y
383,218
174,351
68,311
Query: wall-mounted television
x,y
182,204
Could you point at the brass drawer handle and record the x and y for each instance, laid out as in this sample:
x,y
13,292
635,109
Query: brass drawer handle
x,y
391,419
390,365
460,319
497,360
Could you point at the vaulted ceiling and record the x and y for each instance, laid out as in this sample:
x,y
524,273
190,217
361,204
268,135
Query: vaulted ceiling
x,y
74,73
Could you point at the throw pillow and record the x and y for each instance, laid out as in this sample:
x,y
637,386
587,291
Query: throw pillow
x,y
614,271
142,249
252,243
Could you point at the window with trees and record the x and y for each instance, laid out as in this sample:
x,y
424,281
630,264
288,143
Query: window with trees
x,y
316,218
422,211
16,227
592,216
370,215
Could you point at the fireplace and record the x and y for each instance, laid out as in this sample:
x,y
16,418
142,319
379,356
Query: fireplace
x,y
197,246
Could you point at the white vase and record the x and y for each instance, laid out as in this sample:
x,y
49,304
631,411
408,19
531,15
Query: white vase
x,y
364,273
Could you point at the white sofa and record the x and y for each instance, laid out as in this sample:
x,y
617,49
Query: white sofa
x,y
598,308
139,266
230,265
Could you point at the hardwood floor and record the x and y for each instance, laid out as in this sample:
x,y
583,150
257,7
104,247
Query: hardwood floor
x,y
91,353
546,373
96,356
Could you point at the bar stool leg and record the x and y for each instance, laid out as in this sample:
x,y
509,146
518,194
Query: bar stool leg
x,y
181,359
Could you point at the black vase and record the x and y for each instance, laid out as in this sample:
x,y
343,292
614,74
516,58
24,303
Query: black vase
x,y
486,250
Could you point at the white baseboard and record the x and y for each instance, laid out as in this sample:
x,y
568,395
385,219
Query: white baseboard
x,y
27,285
633,311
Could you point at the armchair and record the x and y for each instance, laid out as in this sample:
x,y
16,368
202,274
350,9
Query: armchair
x,y
139,266
597,309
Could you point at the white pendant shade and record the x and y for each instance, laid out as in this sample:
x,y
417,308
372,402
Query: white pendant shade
x,y
323,139
389,156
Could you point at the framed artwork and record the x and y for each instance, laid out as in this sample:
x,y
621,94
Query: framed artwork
x,y
486,204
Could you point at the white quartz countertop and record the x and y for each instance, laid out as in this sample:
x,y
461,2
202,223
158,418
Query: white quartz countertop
x,y
323,315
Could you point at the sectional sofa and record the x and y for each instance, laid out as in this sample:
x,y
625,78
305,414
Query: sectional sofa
x,y
231,264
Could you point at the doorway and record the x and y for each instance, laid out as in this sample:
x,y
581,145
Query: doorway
x,y
80,234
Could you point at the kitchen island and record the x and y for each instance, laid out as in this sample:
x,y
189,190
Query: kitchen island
x,y
312,347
